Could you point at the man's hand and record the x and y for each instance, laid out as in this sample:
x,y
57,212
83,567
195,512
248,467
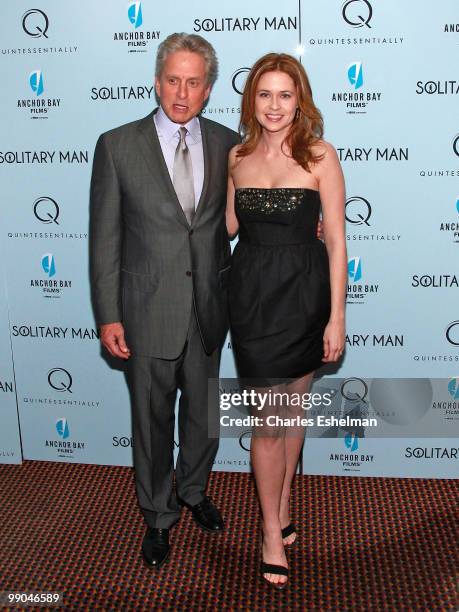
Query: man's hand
x,y
320,230
112,338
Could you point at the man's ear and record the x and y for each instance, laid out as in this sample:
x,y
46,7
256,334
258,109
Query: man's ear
x,y
158,87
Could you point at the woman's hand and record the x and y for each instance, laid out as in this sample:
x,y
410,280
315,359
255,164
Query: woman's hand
x,y
333,341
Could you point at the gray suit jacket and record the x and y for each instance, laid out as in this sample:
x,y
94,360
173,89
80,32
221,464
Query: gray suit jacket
x,y
146,261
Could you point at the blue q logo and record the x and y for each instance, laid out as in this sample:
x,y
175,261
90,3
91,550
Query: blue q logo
x,y
36,82
354,269
48,265
453,388
355,74
62,428
135,13
457,205
351,441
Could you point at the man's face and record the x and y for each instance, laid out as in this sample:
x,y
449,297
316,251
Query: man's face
x,y
182,86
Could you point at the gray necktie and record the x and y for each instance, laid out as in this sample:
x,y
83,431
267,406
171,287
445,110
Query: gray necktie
x,y
183,176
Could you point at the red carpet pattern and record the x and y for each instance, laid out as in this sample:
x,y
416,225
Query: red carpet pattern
x,y
364,544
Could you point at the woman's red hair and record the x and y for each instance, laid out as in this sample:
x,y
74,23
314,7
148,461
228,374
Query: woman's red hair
x,y
307,127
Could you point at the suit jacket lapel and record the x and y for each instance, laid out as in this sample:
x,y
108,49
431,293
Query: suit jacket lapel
x,y
209,144
151,150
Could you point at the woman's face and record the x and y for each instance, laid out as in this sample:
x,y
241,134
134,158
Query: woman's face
x,y
275,101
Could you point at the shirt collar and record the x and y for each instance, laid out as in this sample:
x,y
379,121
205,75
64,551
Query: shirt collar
x,y
168,129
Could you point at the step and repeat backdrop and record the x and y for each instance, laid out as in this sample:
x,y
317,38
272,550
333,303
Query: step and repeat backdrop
x,y
383,74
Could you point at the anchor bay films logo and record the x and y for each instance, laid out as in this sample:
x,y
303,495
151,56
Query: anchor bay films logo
x,y
357,100
450,227
49,286
446,404
358,292
358,23
138,38
38,106
62,442
351,458
362,225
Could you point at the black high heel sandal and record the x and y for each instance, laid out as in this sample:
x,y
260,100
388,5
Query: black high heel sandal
x,y
286,531
279,570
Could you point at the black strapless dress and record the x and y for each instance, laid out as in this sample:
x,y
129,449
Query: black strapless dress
x,y
279,293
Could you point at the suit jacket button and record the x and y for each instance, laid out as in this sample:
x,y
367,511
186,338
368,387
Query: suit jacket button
x,y
188,273
191,232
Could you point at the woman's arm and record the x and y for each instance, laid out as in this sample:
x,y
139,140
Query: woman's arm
x,y
232,224
332,195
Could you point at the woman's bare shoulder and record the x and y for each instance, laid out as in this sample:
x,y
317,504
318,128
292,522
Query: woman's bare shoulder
x,y
324,150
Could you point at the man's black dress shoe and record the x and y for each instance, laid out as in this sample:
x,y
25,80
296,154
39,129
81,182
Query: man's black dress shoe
x,y
155,546
207,516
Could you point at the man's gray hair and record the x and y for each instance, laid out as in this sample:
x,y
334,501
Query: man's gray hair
x,y
188,42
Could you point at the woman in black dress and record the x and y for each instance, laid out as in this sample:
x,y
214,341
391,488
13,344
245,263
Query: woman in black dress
x,y
287,288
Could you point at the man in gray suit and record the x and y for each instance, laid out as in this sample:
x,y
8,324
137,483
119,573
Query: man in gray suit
x,y
159,260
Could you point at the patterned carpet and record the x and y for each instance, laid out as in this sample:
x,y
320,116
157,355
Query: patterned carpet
x,y
366,544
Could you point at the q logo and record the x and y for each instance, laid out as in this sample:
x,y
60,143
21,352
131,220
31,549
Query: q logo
x,y
35,23
60,380
354,389
46,210
357,13
135,13
456,145
238,80
358,211
36,82
244,440
452,333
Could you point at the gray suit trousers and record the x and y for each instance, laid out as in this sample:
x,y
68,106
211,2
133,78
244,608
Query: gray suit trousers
x,y
153,385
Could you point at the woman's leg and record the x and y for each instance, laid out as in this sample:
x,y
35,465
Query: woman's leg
x,y
294,438
269,464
